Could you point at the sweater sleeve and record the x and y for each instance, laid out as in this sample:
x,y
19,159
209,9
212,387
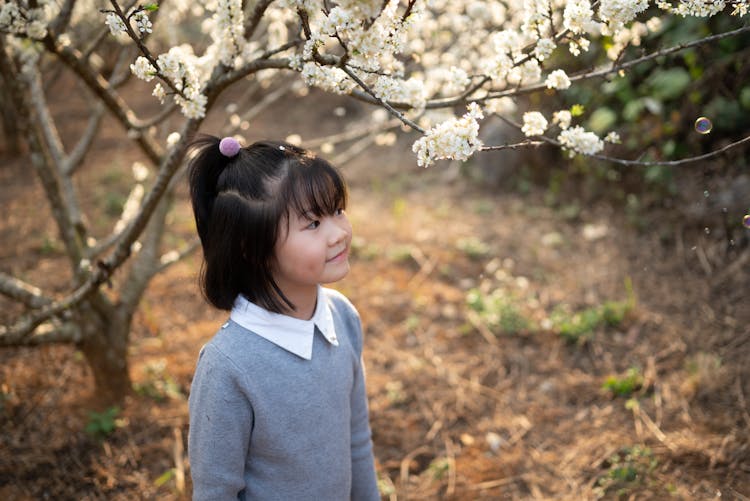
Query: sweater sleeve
x,y
364,480
221,420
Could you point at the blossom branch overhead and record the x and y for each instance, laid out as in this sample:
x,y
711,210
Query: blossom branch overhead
x,y
408,56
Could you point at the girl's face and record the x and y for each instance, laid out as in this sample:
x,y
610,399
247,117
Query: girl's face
x,y
312,250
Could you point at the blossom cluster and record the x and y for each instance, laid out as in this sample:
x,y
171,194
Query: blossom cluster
x,y
577,140
456,138
27,20
180,67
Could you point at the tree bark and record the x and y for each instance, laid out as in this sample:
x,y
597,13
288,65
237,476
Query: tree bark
x,y
11,130
105,347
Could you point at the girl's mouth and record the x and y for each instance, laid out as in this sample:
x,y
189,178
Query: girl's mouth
x,y
340,256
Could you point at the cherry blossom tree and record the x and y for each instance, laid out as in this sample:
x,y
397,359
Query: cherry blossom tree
x,y
438,67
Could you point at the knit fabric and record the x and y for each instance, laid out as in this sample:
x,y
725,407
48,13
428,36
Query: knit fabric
x,y
266,424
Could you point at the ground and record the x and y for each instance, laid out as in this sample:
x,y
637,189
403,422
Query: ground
x,y
511,352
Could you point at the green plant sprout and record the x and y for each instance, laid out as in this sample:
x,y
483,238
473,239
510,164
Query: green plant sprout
x,y
624,386
103,424
630,468
578,327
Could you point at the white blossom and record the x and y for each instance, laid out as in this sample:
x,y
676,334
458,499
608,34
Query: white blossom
x,y
698,8
140,172
618,13
229,30
143,69
534,124
116,25
613,137
327,78
142,22
501,106
562,118
578,140
457,138
544,48
558,79
159,92
577,15
173,139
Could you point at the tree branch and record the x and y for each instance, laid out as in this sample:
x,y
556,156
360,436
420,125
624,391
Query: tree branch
x,y
21,291
170,258
75,159
104,269
73,59
254,20
682,161
145,263
513,146
43,121
60,23
381,101
47,333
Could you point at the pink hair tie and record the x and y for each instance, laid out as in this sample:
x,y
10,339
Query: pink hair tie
x,y
229,147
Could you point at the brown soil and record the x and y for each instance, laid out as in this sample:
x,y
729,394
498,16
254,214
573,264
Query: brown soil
x,y
461,408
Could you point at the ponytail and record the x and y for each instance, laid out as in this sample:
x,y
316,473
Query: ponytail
x,y
206,165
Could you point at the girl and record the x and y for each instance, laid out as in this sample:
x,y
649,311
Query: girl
x,y
278,408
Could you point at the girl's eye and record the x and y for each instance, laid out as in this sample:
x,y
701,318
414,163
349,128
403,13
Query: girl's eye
x,y
338,212
313,225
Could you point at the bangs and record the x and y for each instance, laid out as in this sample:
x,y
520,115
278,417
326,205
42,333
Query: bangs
x,y
316,188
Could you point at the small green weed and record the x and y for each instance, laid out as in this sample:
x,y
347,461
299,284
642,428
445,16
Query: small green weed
x,y
627,470
439,467
102,424
497,311
626,385
165,477
577,327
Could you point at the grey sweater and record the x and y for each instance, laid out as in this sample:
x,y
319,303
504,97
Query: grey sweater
x,y
266,424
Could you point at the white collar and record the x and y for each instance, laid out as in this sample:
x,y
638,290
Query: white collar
x,y
289,333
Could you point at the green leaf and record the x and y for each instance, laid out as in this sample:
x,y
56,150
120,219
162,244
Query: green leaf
x,y
151,7
164,477
602,120
745,97
668,84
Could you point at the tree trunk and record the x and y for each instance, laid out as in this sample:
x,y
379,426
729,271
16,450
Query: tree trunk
x,y
105,347
10,123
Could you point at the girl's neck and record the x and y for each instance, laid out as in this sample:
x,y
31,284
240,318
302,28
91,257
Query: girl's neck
x,y
304,299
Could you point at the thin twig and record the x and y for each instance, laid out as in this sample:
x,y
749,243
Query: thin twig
x,y
382,101
407,461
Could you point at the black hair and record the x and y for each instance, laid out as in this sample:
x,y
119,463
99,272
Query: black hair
x,y
239,204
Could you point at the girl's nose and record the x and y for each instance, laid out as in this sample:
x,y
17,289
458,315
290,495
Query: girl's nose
x,y
339,232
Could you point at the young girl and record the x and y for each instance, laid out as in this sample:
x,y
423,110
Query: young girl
x,y
278,409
